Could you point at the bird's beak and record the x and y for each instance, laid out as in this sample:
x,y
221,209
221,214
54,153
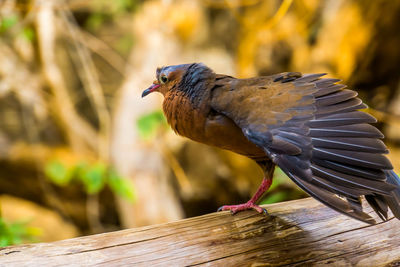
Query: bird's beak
x,y
151,89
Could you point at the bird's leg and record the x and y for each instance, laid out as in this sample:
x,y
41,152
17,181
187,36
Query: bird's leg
x,y
251,204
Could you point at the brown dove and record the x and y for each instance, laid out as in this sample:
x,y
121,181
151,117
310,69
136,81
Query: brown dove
x,y
311,127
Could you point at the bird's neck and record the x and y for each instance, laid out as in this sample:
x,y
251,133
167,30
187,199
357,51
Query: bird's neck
x,y
195,83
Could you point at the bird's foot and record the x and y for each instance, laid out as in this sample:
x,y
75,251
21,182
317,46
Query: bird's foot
x,y
251,204
245,206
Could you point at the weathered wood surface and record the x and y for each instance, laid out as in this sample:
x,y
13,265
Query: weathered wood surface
x,y
297,233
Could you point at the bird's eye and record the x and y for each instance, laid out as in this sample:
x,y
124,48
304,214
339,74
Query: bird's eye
x,y
163,79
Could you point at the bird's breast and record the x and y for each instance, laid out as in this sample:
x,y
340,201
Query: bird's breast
x,y
183,116
199,123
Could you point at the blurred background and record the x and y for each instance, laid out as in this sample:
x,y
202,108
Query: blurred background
x,y
82,153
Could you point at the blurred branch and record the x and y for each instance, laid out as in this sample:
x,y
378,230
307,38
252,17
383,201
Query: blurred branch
x,y
11,64
91,83
98,46
79,132
92,213
48,192
26,84
283,8
252,34
229,3
7,5
181,177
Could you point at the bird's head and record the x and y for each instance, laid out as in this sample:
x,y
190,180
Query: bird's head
x,y
182,77
167,78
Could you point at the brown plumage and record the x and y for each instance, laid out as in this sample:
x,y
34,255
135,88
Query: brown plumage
x,y
309,126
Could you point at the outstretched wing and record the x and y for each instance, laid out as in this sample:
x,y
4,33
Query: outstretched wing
x,y
313,130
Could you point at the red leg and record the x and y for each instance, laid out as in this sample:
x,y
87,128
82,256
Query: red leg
x,y
251,204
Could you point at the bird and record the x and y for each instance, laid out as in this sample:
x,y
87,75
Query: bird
x,y
314,128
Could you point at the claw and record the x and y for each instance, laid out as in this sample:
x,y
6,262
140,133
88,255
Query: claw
x,y
265,212
241,207
251,204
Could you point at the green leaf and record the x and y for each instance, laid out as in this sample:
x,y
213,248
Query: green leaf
x,y
7,22
149,124
279,178
4,242
28,34
94,21
58,173
121,186
121,5
93,177
16,233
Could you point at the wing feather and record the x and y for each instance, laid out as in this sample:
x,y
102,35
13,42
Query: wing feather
x,y
312,129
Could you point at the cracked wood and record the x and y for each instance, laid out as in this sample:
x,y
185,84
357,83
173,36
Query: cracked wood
x,y
301,232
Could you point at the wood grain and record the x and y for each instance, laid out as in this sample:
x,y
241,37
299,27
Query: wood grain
x,y
297,233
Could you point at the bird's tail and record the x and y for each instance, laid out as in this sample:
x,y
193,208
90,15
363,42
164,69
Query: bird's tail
x,y
394,201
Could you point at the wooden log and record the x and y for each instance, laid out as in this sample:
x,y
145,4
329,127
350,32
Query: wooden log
x,y
301,232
